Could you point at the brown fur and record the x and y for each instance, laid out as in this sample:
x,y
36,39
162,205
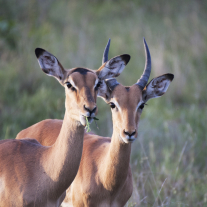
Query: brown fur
x,y
45,134
36,175
104,177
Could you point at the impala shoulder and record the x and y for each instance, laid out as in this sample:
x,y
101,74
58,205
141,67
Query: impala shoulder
x,y
21,145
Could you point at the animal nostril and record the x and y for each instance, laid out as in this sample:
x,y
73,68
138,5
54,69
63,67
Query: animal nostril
x,y
127,133
90,111
94,110
133,133
86,108
130,134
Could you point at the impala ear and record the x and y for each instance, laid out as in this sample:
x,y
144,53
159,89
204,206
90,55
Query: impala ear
x,y
113,67
50,64
103,91
107,86
157,87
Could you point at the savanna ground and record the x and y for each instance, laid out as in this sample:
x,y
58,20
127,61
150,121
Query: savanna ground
x,y
169,158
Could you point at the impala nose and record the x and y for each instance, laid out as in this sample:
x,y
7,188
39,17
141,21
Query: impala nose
x,y
130,134
90,111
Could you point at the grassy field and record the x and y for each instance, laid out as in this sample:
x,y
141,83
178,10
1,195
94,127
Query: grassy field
x,y
169,158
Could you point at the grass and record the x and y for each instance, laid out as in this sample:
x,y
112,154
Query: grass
x,y
88,129
169,158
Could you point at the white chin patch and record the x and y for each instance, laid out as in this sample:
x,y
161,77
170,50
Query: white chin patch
x,y
90,120
124,140
83,120
127,140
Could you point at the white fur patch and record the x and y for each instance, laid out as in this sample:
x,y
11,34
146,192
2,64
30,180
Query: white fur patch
x,y
117,104
73,84
165,85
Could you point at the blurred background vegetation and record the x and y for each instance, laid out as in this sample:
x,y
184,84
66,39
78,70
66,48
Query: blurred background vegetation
x,y
169,158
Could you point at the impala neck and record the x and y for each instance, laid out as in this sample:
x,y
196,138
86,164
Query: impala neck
x,y
63,157
116,164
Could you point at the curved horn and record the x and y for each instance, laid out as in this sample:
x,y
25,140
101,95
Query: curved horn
x,y
146,74
106,52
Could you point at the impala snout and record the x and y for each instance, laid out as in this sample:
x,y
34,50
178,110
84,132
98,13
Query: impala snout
x,y
88,111
129,135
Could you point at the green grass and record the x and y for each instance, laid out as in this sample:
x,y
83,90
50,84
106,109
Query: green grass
x,y
169,158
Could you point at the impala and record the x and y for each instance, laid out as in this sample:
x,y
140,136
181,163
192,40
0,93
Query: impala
x,y
104,177
35,175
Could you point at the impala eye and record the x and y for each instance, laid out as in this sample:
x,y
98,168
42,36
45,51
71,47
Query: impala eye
x,y
68,84
73,89
98,85
142,106
112,105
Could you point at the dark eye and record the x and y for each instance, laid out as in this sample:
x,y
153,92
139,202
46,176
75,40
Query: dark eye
x,y
98,85
141,106
73,89
112,105
68,84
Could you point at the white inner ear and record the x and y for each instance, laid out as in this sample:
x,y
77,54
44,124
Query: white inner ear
x,y
48,61
50,65
104,73
165,84
113,68
157,87
160,85
116,65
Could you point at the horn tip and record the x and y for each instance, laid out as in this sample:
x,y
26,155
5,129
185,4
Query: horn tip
x,y
144,41
106,51
108,43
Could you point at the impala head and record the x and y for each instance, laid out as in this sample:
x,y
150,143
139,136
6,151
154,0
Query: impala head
x,y
127,103
81,84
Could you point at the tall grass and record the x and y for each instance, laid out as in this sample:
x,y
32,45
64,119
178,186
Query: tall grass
x,y
169,158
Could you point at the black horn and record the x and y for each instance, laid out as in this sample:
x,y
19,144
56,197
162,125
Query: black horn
x,y
146,74
106,52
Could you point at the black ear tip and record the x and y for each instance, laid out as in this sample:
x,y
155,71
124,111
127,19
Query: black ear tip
x,y
126,58
170,76
38,52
